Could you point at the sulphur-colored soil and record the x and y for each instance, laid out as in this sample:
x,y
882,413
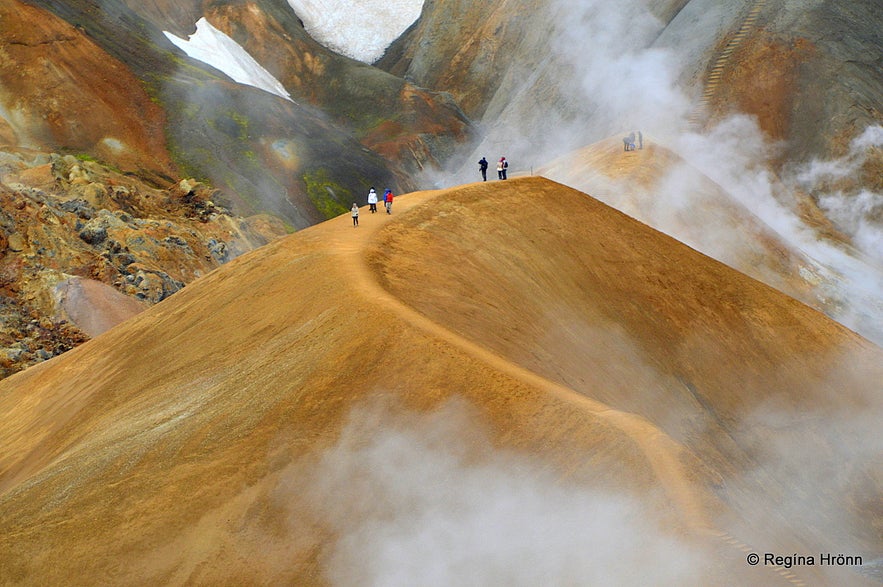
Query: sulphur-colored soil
x,y
183,446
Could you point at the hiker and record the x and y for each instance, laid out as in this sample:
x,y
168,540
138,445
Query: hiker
x,y
372,200
482,167
640,140
355,213
502,166
387,200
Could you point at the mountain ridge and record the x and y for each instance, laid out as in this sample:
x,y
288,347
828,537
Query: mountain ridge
x,y
279,379
505,382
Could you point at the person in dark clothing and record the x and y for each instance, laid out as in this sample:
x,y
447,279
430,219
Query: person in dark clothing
x,y
640,140
628,143
482,167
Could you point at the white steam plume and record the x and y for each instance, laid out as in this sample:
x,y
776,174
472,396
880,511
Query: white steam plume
x,y
423,500
817,466
854,214
607,74
735,155
600,77
858,212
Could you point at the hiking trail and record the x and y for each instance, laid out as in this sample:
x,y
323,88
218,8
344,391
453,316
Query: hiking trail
x,y
712,82
660,450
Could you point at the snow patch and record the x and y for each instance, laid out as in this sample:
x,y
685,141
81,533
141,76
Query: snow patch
x,y
215,48
359,29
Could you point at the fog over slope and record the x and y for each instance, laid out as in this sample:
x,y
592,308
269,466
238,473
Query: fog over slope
x,y
498,383
456,396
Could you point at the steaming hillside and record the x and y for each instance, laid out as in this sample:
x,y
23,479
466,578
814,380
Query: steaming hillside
x,y
547,76
757,97
476,388
791,246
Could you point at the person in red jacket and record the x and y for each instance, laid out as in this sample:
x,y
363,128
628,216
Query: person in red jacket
x,y
387,200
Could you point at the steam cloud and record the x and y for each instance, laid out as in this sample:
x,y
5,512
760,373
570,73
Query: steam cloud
x,y
847,284
601,77
426,501
858,211
625,74
817,467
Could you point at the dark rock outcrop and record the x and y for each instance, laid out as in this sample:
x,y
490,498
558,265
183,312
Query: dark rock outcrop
x,y
83,247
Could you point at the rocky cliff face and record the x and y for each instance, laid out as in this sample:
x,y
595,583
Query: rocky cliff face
x,y
83,247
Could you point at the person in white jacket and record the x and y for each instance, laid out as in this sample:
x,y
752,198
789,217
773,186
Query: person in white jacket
x,y
502,167
372,200
354,212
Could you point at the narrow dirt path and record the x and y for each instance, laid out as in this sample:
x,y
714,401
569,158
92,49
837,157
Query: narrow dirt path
x,y
662,452
700,111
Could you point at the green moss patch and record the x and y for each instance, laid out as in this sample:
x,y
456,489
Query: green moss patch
x,y
329,197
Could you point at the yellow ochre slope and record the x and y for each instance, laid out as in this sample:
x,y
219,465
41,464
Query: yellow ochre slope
x,y
183,446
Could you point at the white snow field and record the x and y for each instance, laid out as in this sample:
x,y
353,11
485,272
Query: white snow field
x,y
215,48
361,29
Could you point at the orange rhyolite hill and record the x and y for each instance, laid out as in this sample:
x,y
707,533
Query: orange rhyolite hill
x,y
188,444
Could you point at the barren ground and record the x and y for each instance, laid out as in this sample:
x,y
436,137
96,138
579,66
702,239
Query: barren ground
x,y
177,448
